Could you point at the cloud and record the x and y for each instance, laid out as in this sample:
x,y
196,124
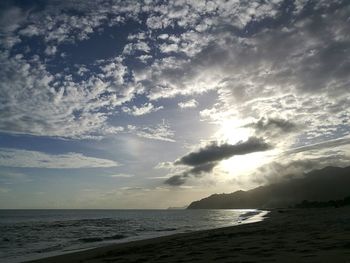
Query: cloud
x,y
164,165
202,168
295,81
121,175
273,128
176,180
131,48
11,18
161,132
36,102
214,152
144,109
298,161
50,50
188,104
204,160
34,159
273,123
294,166
319,146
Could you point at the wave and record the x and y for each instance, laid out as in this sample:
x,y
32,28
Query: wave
x,y
99,239
248,215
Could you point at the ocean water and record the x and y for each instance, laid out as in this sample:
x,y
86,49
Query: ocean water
x,y
32,234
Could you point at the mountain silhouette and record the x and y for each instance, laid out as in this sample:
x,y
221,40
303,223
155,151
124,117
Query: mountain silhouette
x,y
329,183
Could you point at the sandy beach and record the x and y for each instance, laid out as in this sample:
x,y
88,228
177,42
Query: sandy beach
x,y
286,235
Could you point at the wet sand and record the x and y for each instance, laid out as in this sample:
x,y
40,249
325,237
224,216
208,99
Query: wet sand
x,y
287,235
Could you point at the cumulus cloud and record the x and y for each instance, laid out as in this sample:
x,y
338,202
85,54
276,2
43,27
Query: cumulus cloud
x,y
34,159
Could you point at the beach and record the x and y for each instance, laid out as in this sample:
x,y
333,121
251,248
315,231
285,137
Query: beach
x,y
286,235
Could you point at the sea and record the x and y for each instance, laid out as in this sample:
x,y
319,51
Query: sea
x,y
33,234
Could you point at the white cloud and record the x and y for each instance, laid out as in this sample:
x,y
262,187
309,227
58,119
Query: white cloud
x,y
164,165
163,36
115,70
34,159
188,104
144,58
167,48
144,109
139,46
50,50
158,177
29,31
121,175
157,22
161,132
39,103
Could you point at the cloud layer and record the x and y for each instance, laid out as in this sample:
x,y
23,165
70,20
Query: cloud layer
x,y
34,159
263,57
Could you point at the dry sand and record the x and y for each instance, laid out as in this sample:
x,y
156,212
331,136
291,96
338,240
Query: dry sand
x,y
296,235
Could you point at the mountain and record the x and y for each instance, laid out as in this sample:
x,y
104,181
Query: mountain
x,y
318,185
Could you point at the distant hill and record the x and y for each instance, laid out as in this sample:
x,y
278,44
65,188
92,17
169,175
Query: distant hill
x,y
329,183
177,208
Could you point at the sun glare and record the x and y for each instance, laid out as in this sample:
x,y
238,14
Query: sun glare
x,y
232,132
244,165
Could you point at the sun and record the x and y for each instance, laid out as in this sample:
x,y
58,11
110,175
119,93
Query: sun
x,y
232,131
244,164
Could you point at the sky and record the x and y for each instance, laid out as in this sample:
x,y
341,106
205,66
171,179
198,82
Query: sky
x,y
151,104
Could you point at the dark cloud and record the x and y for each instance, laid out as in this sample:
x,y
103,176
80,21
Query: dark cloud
x,y
203,168
176,180
272,126
204,160
215,152
180,179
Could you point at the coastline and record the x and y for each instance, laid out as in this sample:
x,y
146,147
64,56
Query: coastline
x,y
288,235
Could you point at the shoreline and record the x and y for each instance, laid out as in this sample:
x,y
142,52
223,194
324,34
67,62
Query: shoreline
x,y
247,218
256,216
288,235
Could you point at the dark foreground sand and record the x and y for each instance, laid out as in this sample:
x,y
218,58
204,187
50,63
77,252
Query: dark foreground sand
x,y
305,235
